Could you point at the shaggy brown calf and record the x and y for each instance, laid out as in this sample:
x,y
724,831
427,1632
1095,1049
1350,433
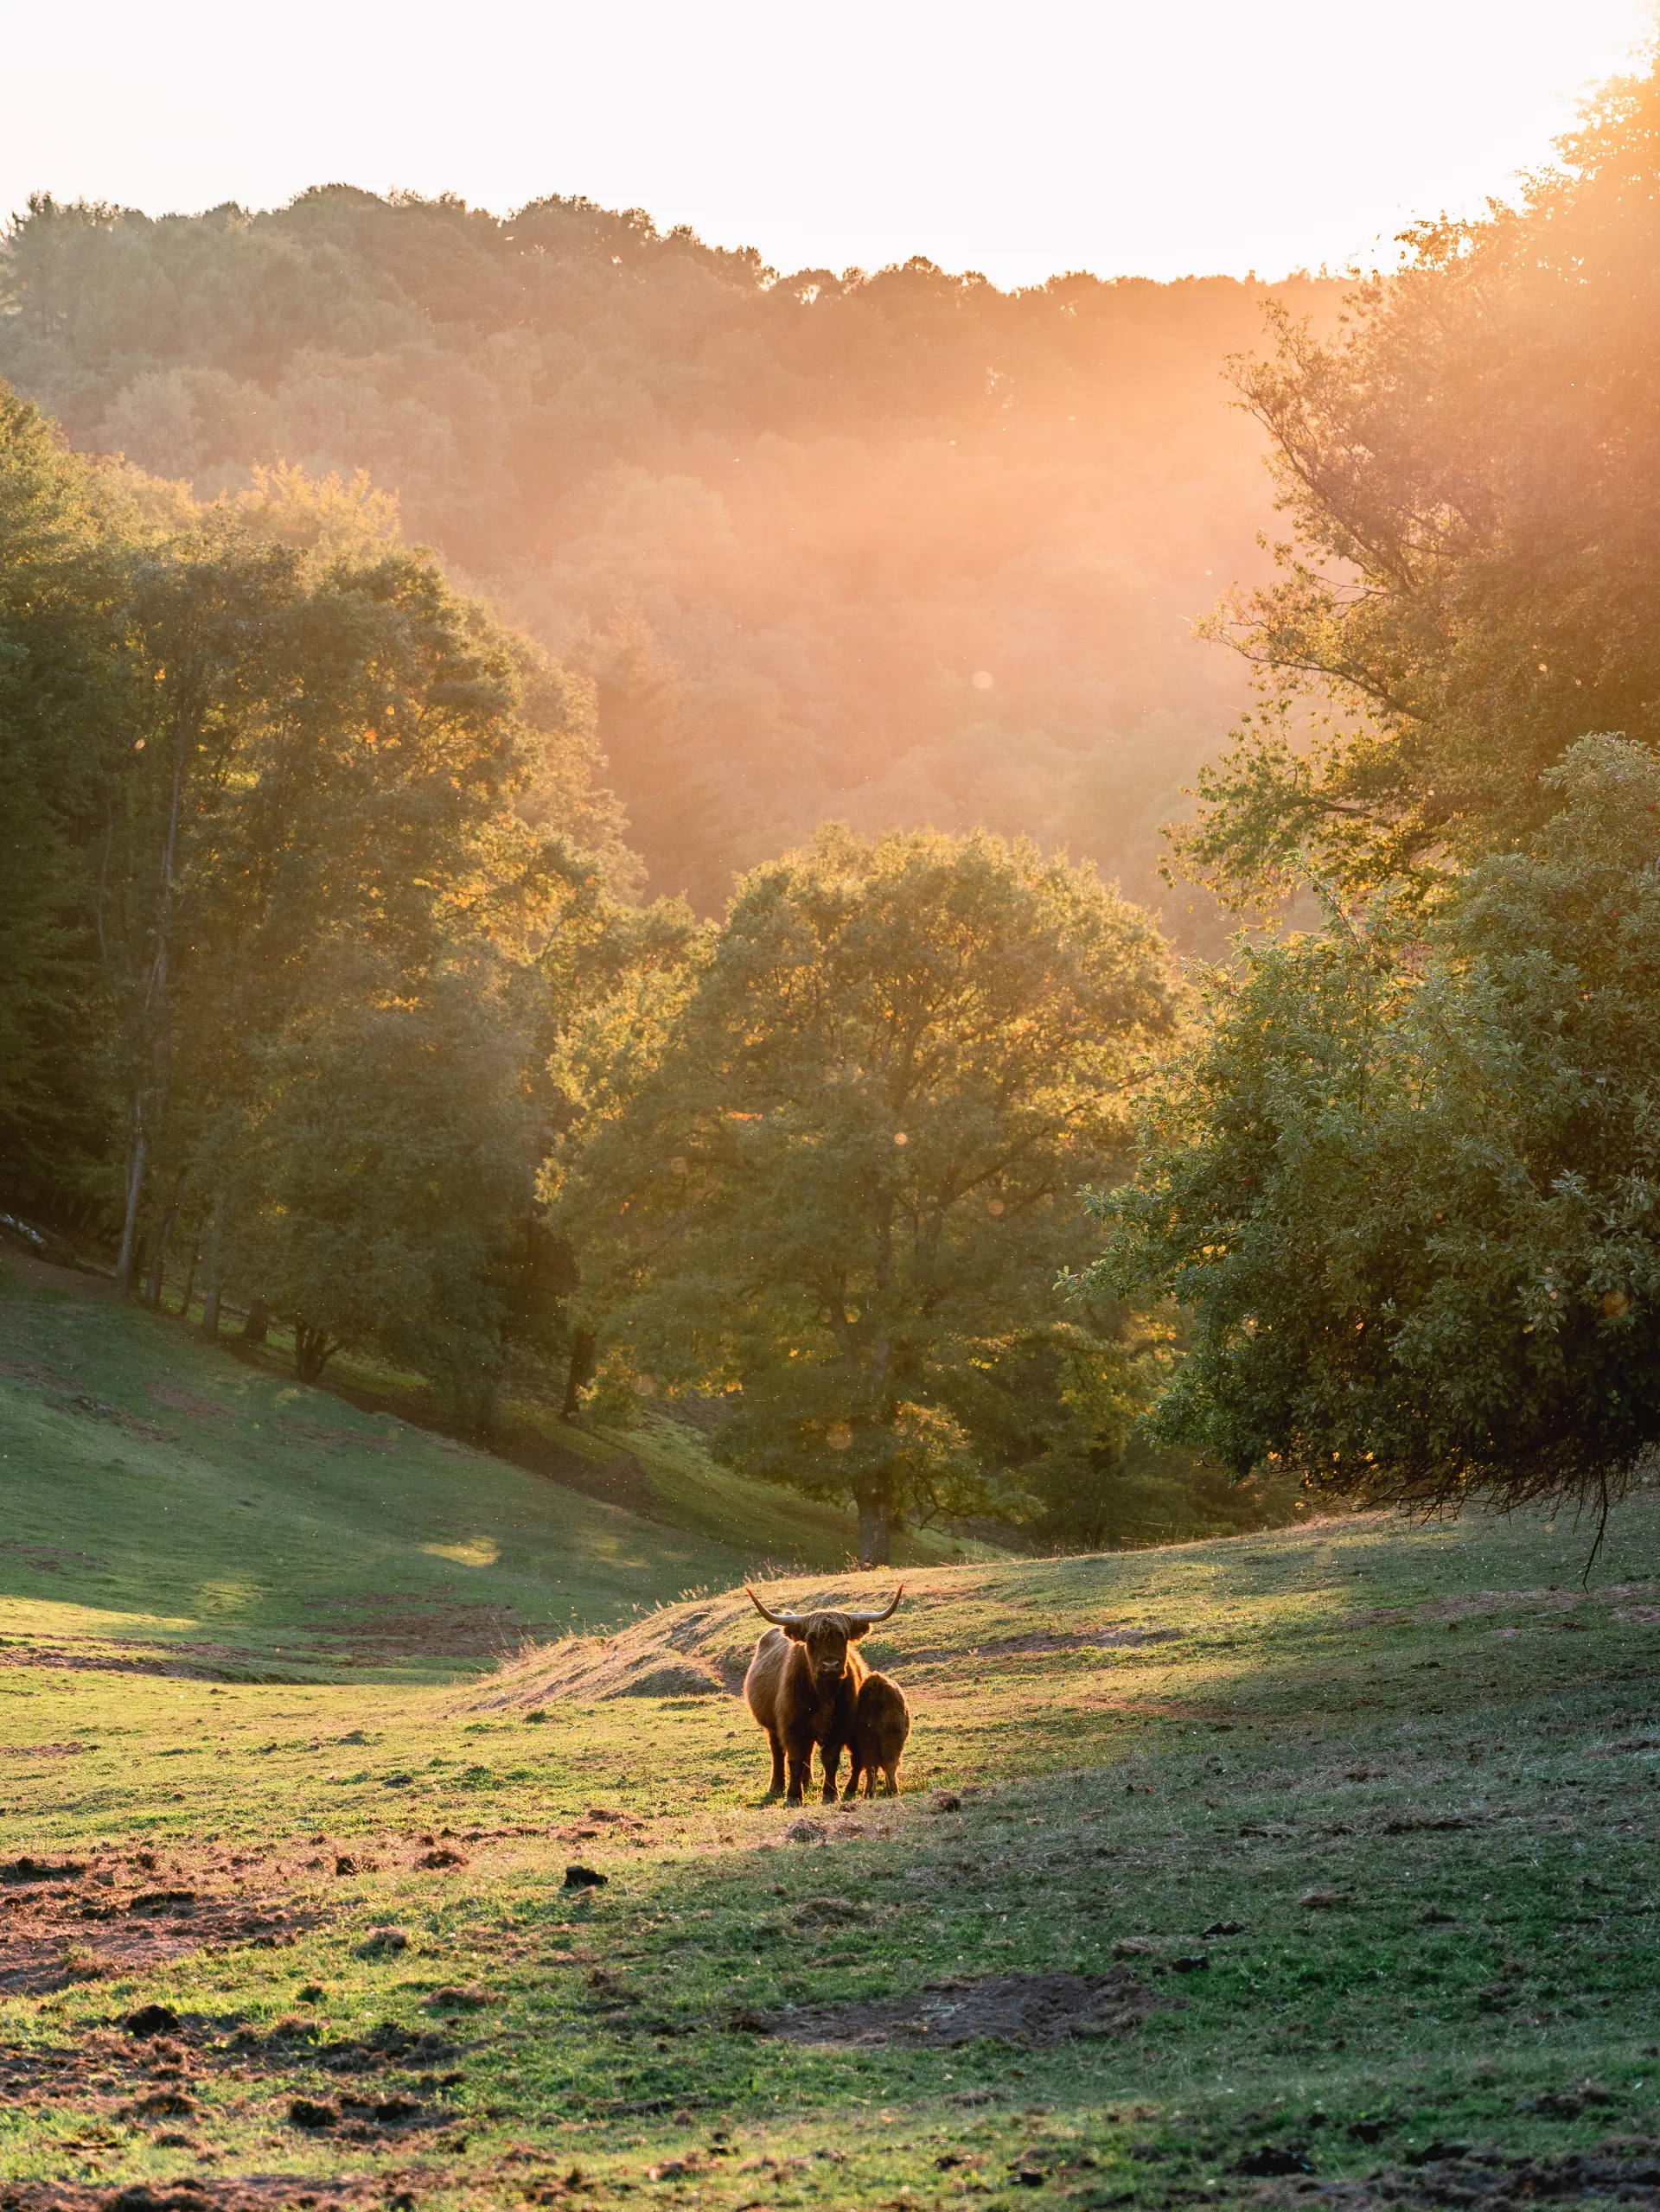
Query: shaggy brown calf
x,y
802,1687
881,1723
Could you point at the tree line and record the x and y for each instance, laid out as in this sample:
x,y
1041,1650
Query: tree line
x,y
330,1002
285,821
890,546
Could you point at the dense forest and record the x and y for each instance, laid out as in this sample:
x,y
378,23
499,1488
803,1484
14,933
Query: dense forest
x,y
330,1009
898,548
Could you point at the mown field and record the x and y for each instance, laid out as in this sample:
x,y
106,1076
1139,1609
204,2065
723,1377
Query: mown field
x,y
1245,1869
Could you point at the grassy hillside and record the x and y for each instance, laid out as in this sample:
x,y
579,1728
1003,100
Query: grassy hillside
x,y
1225,1872
157,1489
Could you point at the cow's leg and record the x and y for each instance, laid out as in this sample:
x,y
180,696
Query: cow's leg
x,y
851,1790
831,1754
890,1776
799,1754
775,1786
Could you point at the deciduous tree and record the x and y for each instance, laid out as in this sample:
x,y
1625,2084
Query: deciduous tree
x,y
1471,580
828,1171
1413,1207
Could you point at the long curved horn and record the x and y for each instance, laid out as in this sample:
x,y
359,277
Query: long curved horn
x,y
870,1620
778,1619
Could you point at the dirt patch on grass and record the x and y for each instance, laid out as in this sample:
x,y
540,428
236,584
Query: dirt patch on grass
x,y
394,1625
1040,1640
1469,2178
258,2193
110,1662
1027,2009
313,1436
102,1923
1474,1604
181,1400
91,1407
46,1559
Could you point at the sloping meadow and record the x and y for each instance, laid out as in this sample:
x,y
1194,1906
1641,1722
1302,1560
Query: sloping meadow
x,y
1266,1865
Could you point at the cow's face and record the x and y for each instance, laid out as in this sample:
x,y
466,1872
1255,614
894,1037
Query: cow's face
x,y
827,1636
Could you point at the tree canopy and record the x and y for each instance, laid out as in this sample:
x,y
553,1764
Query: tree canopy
x,y
891,546
1413,1207
1471,582
1402,1185
827,1173
274,794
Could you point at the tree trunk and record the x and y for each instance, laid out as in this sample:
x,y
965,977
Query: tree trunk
x,y
189,1281
312,1351
151,1295
257,1327
125,1267
158,1274
874,1520
210,1287
583,1347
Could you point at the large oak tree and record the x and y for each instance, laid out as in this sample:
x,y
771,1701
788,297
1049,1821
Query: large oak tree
x,y
828,1173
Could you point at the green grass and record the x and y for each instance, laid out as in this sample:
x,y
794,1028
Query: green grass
x,y
1422,1780
672,1479
1418,1766
154,1488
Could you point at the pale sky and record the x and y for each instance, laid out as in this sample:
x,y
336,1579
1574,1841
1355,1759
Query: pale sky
x,y
1127,136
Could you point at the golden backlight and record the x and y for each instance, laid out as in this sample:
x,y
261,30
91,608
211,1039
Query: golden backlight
x,y
1100,134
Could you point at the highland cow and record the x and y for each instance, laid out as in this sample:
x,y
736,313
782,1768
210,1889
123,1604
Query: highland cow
x,y
803,1688
881,1723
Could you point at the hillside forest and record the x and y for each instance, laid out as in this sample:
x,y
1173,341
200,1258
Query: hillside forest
x,y
892,548
647,947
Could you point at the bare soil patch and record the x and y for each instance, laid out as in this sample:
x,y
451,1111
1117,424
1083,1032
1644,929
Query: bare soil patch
x,y
398,1625
109,1662
91,1407
1035,1642
148,2069
113,1920
315,1436
1475,1604
256,2193
174,1395
1027,2009
46,1559
1629,2176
